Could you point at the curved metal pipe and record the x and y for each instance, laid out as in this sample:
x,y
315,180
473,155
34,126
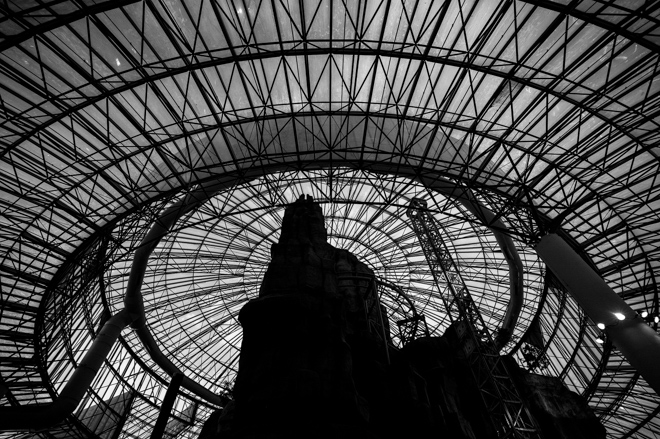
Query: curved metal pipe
x,y
42,416
133,301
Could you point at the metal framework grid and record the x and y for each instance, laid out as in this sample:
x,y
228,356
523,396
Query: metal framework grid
x,y
508,413
547,111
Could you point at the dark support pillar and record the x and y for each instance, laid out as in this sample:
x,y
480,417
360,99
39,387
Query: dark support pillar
x,y
636,340
166,408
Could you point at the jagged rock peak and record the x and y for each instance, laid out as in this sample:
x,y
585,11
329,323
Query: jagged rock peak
x,y
303,222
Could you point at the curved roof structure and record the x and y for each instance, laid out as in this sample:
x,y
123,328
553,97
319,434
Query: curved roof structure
x,y
544,112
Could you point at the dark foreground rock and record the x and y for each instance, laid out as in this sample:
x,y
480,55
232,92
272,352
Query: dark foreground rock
x,y
313,360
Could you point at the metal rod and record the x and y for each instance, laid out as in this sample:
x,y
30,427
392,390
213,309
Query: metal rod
x,y
166,407
124,416
380,316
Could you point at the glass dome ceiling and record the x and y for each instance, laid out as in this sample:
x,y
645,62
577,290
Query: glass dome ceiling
x,y
546,111
203,272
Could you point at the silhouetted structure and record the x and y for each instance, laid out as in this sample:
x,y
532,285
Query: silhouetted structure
x,y
317,361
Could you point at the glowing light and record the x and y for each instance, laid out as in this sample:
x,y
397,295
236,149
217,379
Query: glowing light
x,y
117,61
619,316
600,340
645,314
600,325
656,319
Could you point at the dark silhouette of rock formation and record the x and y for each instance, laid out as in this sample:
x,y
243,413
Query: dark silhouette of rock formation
x,y
314,364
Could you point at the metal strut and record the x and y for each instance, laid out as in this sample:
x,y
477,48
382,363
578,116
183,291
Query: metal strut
x,y
509,415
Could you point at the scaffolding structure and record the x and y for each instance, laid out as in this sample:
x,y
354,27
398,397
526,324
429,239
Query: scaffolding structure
x,y
509,416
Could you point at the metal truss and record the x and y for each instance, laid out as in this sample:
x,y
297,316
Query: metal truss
x,y
50,19
508,413
608,15
547,112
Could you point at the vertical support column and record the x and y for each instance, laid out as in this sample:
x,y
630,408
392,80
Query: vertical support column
x,y
636,340
166,408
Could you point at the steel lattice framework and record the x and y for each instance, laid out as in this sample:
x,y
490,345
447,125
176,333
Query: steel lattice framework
x,y
110,111
508,413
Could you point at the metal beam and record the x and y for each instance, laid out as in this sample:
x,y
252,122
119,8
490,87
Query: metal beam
x,y
636,340
508,247
63,20
508,412
592,18
254,56
40,417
